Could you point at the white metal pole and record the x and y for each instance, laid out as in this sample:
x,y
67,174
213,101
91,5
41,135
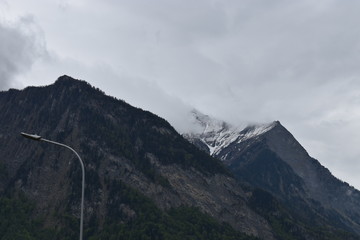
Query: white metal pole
x,y
39,138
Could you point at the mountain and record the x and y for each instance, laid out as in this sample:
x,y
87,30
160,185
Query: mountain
x,y
269,157
143,179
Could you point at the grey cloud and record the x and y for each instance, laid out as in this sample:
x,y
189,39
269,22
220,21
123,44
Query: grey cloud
x,y
19,48
265,53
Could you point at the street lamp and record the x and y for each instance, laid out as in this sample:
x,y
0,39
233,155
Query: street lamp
x,y
39,138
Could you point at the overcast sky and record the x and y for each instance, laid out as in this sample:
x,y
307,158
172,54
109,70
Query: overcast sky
x,y
237,60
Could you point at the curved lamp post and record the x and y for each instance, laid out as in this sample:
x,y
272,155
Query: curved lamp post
x,y
39,138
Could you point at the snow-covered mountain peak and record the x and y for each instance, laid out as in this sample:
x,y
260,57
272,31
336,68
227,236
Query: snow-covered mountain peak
x,y
208,124
217,134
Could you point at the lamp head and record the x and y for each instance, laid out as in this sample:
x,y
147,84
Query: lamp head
x,y
31,136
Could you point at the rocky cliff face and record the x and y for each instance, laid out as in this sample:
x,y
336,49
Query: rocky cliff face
x,y
269,157
121,146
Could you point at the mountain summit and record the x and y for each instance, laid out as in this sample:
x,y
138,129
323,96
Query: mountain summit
x,y
214,135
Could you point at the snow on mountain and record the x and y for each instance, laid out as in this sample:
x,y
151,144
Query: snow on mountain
x,y
217,135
